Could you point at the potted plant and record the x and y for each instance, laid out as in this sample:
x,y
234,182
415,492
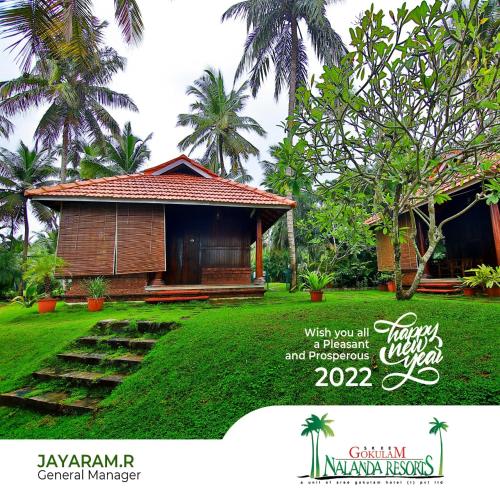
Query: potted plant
x,y
484,277
96,292
493,282
383,280
41,270
391,285
29,297
315,282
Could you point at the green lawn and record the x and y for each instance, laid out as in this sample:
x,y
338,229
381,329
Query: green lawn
x,y
227,360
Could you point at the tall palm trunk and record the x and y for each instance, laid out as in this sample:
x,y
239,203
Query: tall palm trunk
x,y
26,240
221,158
64,152
318,473
312,455
441,454
291,109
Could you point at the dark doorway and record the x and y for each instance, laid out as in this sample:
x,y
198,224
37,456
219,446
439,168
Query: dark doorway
x,y
183,250
203,242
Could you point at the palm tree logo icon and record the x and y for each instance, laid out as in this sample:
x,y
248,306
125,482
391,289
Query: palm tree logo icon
x,y
313,427
437,427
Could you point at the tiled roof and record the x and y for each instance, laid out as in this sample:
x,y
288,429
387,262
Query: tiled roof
x,y
456,183
173,187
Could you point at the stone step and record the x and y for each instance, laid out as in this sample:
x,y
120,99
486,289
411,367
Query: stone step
x,y
97,357
438,290
167,299
81,377
91,358
132,343
51,402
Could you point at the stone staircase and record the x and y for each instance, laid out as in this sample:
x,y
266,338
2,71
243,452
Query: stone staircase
x,y
80,379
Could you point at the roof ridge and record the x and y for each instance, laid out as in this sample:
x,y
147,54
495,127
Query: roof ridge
x,y
261,191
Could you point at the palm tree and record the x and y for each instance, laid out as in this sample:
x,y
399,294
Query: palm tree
x,y
76,95
6,127
321,425
122,154
274,37
437,426
20,170
309,430
315,424
62,28
216,120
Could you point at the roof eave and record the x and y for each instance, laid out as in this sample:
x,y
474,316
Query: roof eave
x,y
55,198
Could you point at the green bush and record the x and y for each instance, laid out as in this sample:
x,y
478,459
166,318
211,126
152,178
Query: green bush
x,y
96,287
315,280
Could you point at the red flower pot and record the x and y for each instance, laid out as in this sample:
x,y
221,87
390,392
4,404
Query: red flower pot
x,y
95,305
316,295
46,305
493,292
382,287
391,286
469,292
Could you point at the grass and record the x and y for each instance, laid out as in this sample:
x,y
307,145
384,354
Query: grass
x,y
226,360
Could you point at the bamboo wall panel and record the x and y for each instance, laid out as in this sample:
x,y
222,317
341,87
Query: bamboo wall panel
x,y
87,238
140,238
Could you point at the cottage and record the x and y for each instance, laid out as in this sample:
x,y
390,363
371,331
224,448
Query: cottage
x,y
471,239
175,230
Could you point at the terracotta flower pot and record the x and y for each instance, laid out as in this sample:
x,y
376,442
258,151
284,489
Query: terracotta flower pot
x,y
316,295
493,292
469,292
382,287
95,305
46,305
391,286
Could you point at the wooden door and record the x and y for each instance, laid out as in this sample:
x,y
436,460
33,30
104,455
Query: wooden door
x,y
191,258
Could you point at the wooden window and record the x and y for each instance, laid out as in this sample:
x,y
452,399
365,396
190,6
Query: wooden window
x,y
140,238
87,238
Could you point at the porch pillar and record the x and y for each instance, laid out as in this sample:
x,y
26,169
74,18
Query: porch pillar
x,y
259,271
495,224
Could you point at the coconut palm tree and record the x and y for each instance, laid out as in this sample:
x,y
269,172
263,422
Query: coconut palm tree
x,y
316,425
24,169
77,97
215,117
63,29
275,38
321,425
121,154
437,427
309,430
6,127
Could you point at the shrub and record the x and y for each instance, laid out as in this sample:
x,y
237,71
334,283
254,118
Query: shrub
x,y
316,281
96,287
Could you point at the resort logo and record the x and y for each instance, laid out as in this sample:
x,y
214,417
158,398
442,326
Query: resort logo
x,y
412,349
361,461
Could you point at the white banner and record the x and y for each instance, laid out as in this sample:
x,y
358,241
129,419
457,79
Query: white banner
x,y
354,452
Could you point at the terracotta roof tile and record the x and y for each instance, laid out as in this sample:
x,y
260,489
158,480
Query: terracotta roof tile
x,y
172,186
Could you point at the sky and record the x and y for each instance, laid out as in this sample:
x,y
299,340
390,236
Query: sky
x,y
181,39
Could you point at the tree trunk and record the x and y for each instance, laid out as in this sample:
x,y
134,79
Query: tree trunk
x,y
26,240
64,152
292,99
318,473
312,455
221,158
440,454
